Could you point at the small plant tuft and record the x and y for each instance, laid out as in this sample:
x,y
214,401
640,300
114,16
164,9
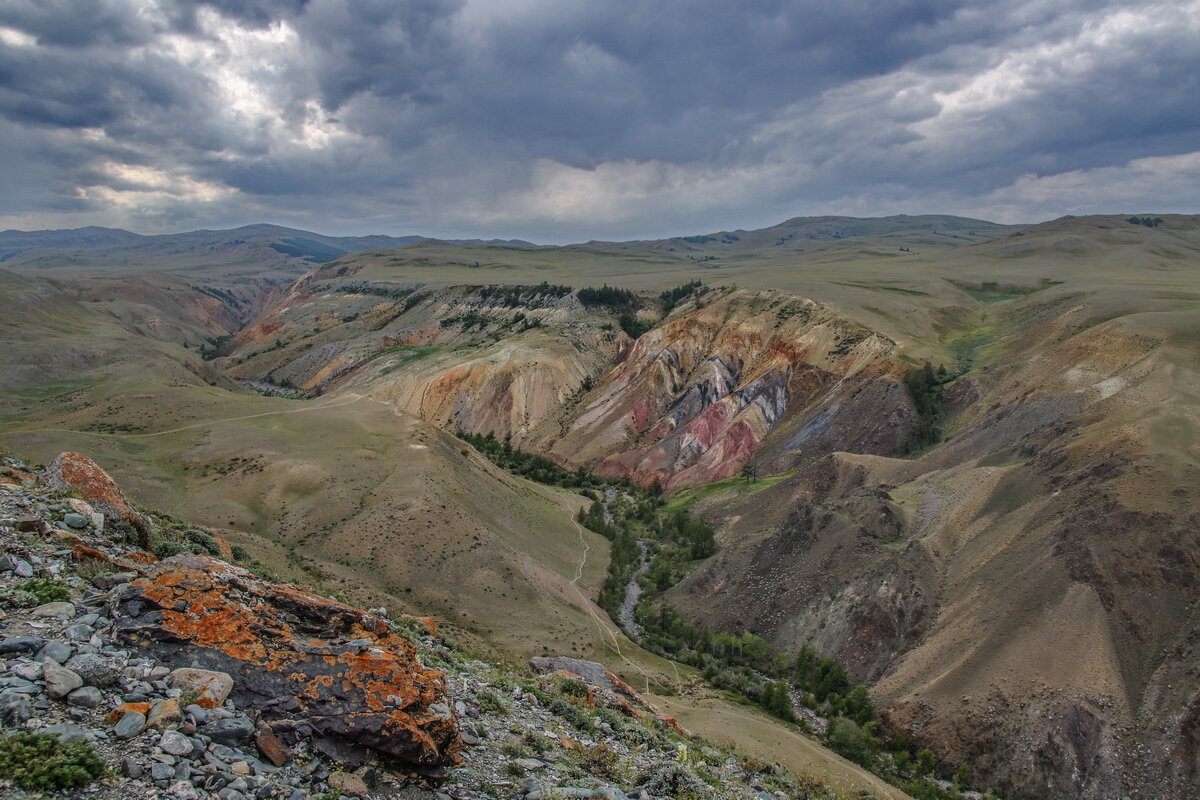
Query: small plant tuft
x,y
46,590
40,762
490,702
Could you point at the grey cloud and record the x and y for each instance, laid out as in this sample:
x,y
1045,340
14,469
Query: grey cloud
x,y
437,113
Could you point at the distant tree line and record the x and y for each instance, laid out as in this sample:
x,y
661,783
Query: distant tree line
x,y
1149,222
535,296
608,297
925,386
528,465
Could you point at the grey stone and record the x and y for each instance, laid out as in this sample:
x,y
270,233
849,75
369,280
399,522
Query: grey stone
x,y
29,670
76,521
21,644
15,708
79,633
130,725
85,697
96,670
182,790
63,610
58,651
131,768
23,568
198,714
18,684
161,773
68,732
230,731
60,681
175,743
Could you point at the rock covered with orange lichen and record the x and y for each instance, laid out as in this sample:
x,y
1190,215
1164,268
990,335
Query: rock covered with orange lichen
x,y
604,688
308,666
76,471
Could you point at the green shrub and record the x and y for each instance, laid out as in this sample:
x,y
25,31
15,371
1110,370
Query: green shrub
x,y
490,702
538,743
16,598
570,687
170,547
572,713
513,750
40,762
46,590
846,738
204,541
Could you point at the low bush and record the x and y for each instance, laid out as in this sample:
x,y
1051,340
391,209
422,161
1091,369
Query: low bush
x,y
40,762
46,590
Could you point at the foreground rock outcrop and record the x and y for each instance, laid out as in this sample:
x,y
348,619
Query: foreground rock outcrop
x,y
309,666
74,471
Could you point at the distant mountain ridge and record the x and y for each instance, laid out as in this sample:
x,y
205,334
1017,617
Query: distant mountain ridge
x,y
807,233
48,247
96,246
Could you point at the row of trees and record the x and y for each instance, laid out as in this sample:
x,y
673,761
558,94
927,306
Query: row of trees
x,y
528,465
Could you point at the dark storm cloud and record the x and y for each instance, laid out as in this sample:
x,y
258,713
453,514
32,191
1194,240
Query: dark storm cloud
x,y
571,120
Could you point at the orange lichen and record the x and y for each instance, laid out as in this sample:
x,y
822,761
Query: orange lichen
x,y
115,715
272,629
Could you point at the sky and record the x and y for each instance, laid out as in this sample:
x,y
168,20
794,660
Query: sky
x,y
569,120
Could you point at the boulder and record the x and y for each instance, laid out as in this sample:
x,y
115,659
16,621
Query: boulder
x,y
75,471
211,688
308,666
604,688
348,784
57,609
164,714
60,681
95,669
129,725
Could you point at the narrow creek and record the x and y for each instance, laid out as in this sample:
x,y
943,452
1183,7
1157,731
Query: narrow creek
x,y
633,591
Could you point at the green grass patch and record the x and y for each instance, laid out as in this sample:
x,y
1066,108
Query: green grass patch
x,y
995,292
689,497
404,355
46,590
964,347
49,389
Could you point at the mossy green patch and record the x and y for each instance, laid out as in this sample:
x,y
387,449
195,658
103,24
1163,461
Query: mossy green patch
x,y
689,497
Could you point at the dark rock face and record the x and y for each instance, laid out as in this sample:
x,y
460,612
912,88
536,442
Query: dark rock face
x,y
306,665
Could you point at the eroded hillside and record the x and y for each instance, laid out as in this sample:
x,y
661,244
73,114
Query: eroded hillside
x,y
944,548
